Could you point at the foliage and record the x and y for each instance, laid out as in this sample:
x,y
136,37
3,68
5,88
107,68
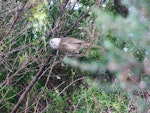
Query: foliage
x,y
100,79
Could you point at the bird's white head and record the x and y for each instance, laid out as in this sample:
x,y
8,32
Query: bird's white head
x,y
54,43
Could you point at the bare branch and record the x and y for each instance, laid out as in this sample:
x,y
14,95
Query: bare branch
x,y
28,88
19,11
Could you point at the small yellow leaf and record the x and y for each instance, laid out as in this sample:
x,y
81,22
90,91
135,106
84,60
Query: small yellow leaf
x,y
22,58
36,42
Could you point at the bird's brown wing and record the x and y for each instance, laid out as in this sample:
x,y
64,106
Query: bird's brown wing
x,y
71,44
73,40
78,42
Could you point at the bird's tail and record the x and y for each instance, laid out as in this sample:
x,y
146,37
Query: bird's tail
x,y
87,45
90,45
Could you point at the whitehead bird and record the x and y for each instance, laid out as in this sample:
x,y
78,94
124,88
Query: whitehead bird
x,y
68,44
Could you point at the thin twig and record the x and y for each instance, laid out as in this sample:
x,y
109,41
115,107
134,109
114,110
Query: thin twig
x,y
70,85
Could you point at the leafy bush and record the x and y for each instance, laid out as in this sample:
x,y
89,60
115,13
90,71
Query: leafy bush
x,y
112,76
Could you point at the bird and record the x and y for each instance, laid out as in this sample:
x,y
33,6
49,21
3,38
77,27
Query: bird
x,y
68,44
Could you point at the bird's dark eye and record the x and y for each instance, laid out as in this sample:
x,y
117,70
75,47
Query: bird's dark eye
x,y
52,43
